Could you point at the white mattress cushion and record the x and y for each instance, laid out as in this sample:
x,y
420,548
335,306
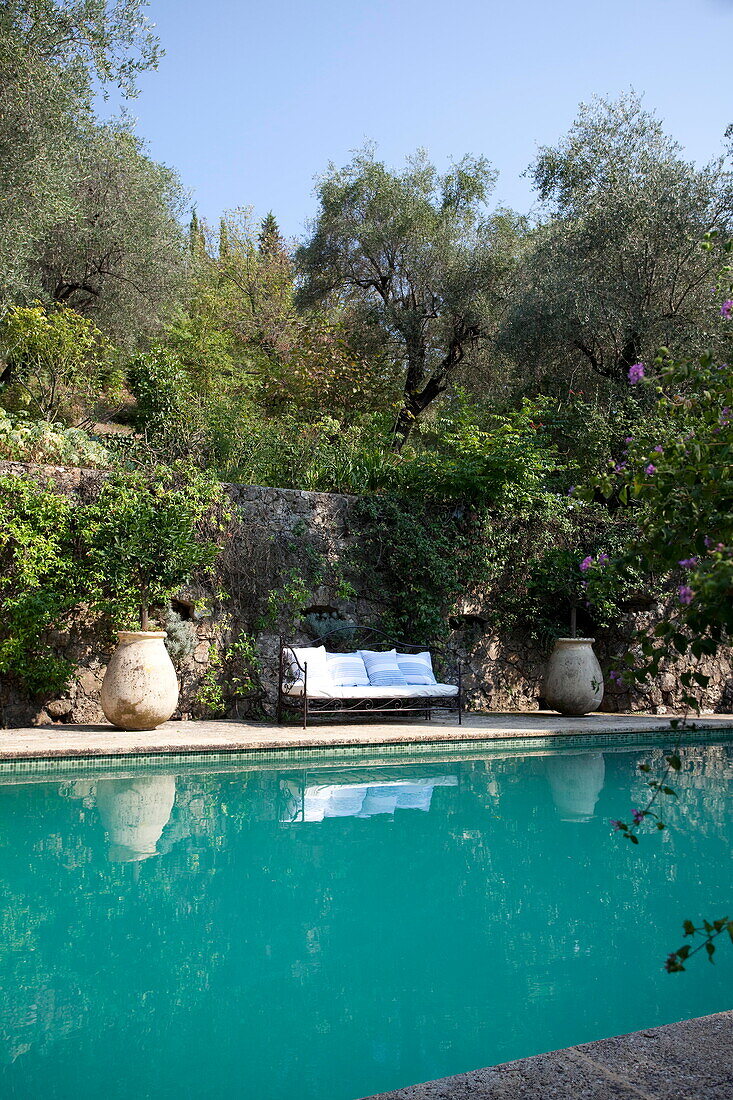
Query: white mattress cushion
x,y
398,691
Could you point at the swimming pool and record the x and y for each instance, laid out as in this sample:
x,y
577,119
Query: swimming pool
x,y
307,928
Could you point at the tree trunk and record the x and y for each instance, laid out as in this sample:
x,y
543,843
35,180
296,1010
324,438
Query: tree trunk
x,y
416,401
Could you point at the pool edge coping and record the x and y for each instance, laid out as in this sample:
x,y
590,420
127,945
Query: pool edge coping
x,y
685,1060
477,742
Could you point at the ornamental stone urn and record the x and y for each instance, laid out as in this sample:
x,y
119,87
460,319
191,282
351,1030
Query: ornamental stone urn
x,y
573,677
140,688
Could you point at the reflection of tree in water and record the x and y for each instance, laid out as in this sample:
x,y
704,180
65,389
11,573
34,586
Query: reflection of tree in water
x,y
244,921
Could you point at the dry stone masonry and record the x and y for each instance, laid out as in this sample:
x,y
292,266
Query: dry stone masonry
x,y
289,554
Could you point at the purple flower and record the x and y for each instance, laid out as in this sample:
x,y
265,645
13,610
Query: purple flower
x,y
616,825
571,490
685,594
636,373
629,439
602,559
638,816
727,308
615,675
659,450
725,415
586,564
620,467
650,469
688,563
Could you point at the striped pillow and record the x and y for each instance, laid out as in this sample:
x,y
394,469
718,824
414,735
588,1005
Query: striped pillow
x,y
382,668
417,668
347,670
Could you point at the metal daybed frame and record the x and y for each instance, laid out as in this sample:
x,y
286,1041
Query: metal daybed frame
x,y
313,708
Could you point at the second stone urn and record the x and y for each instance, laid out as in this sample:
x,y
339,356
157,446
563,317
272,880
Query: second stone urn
x,y
140,688
573,678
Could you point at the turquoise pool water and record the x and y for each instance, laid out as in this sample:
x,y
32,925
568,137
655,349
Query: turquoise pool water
x,y
288,933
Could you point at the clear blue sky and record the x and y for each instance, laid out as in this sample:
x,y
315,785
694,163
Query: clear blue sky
x,y
252,100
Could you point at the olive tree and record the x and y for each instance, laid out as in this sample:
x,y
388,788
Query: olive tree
x,y
617,270
53,53
119,256
416,261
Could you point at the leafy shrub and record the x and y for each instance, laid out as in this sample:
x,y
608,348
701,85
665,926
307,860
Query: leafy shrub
x,y
139,540
504,463
136,544
25,440
39,580
58,364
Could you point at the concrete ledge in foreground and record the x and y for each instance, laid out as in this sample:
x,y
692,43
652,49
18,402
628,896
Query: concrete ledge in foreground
x,y
692,1060
229,735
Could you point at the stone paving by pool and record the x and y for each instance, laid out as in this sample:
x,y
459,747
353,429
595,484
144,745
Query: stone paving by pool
x,y
223,736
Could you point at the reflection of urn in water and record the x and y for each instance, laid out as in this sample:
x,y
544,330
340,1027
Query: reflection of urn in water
x,y
576,782
134,812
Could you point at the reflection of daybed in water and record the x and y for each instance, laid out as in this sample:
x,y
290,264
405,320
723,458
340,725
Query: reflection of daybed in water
x,y
316,802
134,812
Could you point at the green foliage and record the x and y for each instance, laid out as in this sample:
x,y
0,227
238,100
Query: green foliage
x,y
427,558
133,545
570,565
169,412
54,54
57,364
118,257
210,693
232,673
139,540
502,463
613,275
26,440
416,262
39,581
681,494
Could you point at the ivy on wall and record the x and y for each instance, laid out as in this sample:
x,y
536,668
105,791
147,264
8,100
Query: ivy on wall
x,y
131,546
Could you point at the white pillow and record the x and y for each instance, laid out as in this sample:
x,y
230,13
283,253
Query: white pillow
x,y
315,657
417,668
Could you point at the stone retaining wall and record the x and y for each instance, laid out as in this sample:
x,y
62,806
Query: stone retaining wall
x,y
289,551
